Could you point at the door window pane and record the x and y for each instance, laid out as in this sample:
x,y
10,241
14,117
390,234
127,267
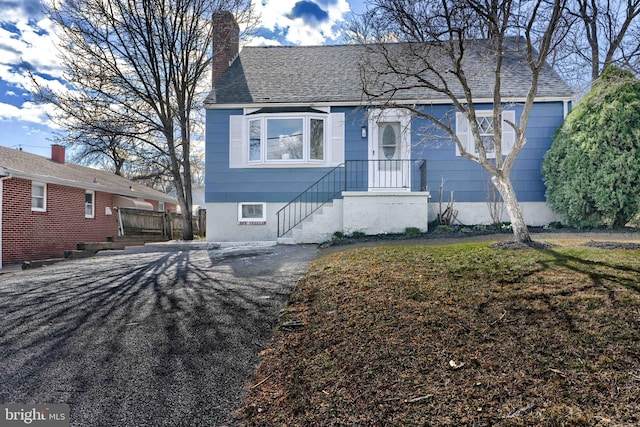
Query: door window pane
x,y
388,141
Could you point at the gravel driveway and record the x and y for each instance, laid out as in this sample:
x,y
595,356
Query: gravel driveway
x,y
148,339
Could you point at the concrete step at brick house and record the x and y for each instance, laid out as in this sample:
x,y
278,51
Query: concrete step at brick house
x,y
144,238
89,249
319,227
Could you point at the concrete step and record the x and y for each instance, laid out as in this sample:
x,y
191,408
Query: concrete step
x,y
76,254
141,239
101,246
320,226
286,241
27,265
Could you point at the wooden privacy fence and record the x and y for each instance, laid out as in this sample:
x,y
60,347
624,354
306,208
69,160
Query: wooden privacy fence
x,y
139,222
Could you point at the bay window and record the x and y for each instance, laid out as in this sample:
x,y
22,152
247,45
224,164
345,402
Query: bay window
x,y
283,139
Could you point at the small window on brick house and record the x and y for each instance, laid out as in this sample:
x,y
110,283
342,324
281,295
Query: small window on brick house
x,y
38,197
89,204
160,206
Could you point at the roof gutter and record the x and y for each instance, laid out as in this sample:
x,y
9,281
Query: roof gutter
x,y
361,103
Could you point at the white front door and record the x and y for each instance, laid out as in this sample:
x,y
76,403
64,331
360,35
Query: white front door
x,y
389,151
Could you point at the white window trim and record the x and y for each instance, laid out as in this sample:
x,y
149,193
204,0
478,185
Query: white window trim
x,y
262,220
306,137
44,197
333,150
93,204
463,131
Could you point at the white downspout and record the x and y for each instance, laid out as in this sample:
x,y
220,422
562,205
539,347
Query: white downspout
x,y
2,179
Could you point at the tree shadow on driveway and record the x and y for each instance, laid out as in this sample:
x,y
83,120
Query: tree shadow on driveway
x,y
166,338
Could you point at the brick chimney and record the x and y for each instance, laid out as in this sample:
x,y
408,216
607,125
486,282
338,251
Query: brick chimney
x,y
57,153
226,43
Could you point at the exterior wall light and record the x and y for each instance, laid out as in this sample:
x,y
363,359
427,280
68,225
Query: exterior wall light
x,y
363,132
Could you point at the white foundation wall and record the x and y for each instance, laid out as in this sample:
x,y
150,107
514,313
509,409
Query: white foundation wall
x,y
223,225
367,212
536,214
375,213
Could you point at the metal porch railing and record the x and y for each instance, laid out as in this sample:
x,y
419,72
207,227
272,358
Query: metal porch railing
x,y
353,175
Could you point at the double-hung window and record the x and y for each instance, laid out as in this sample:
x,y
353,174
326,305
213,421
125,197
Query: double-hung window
x,y
38,197
89,204
486,129
279,138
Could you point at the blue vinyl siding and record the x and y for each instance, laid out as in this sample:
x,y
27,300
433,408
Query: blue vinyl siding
x,y
467,179
223,184
356,147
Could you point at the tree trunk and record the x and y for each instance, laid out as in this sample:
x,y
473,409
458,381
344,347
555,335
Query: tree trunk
x,y
187,225
520,230
186,209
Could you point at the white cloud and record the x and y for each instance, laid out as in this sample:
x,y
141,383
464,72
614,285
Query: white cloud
x,y
33,46
275,16
28,112
262,41
41,51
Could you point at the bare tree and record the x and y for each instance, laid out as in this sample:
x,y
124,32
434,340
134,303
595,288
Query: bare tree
x,y
144,66
444,39
606,32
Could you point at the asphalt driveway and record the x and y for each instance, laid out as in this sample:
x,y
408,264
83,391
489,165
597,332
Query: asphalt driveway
x,y
148,339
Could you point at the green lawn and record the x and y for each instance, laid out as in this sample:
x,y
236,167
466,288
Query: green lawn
x,y
456,335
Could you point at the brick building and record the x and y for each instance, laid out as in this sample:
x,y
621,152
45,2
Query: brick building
x,y
48,206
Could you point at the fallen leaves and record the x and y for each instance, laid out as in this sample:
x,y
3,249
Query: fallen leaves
x,y
457,335
456,365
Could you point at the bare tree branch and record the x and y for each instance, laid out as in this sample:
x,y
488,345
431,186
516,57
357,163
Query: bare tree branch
x,y
136,72
443,41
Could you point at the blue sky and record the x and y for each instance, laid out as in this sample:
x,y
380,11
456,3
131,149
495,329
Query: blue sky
x,y
27,42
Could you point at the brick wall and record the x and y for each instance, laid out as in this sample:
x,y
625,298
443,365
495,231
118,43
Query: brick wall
x,y
28,235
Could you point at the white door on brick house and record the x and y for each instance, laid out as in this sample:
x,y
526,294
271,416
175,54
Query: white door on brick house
x,y
389,150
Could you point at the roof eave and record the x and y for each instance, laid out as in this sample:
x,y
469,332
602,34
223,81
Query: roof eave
x,y
14,173
361,103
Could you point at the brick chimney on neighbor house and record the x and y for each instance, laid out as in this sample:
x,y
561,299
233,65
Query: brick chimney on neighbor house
x,y
57,153
226,43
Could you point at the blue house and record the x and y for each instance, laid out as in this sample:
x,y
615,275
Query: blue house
x,y
294,152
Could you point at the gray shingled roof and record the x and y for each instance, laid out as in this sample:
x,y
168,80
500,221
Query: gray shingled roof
x,y
314,74
31,166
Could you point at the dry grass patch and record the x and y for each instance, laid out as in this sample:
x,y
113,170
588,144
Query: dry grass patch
x,y
456,335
